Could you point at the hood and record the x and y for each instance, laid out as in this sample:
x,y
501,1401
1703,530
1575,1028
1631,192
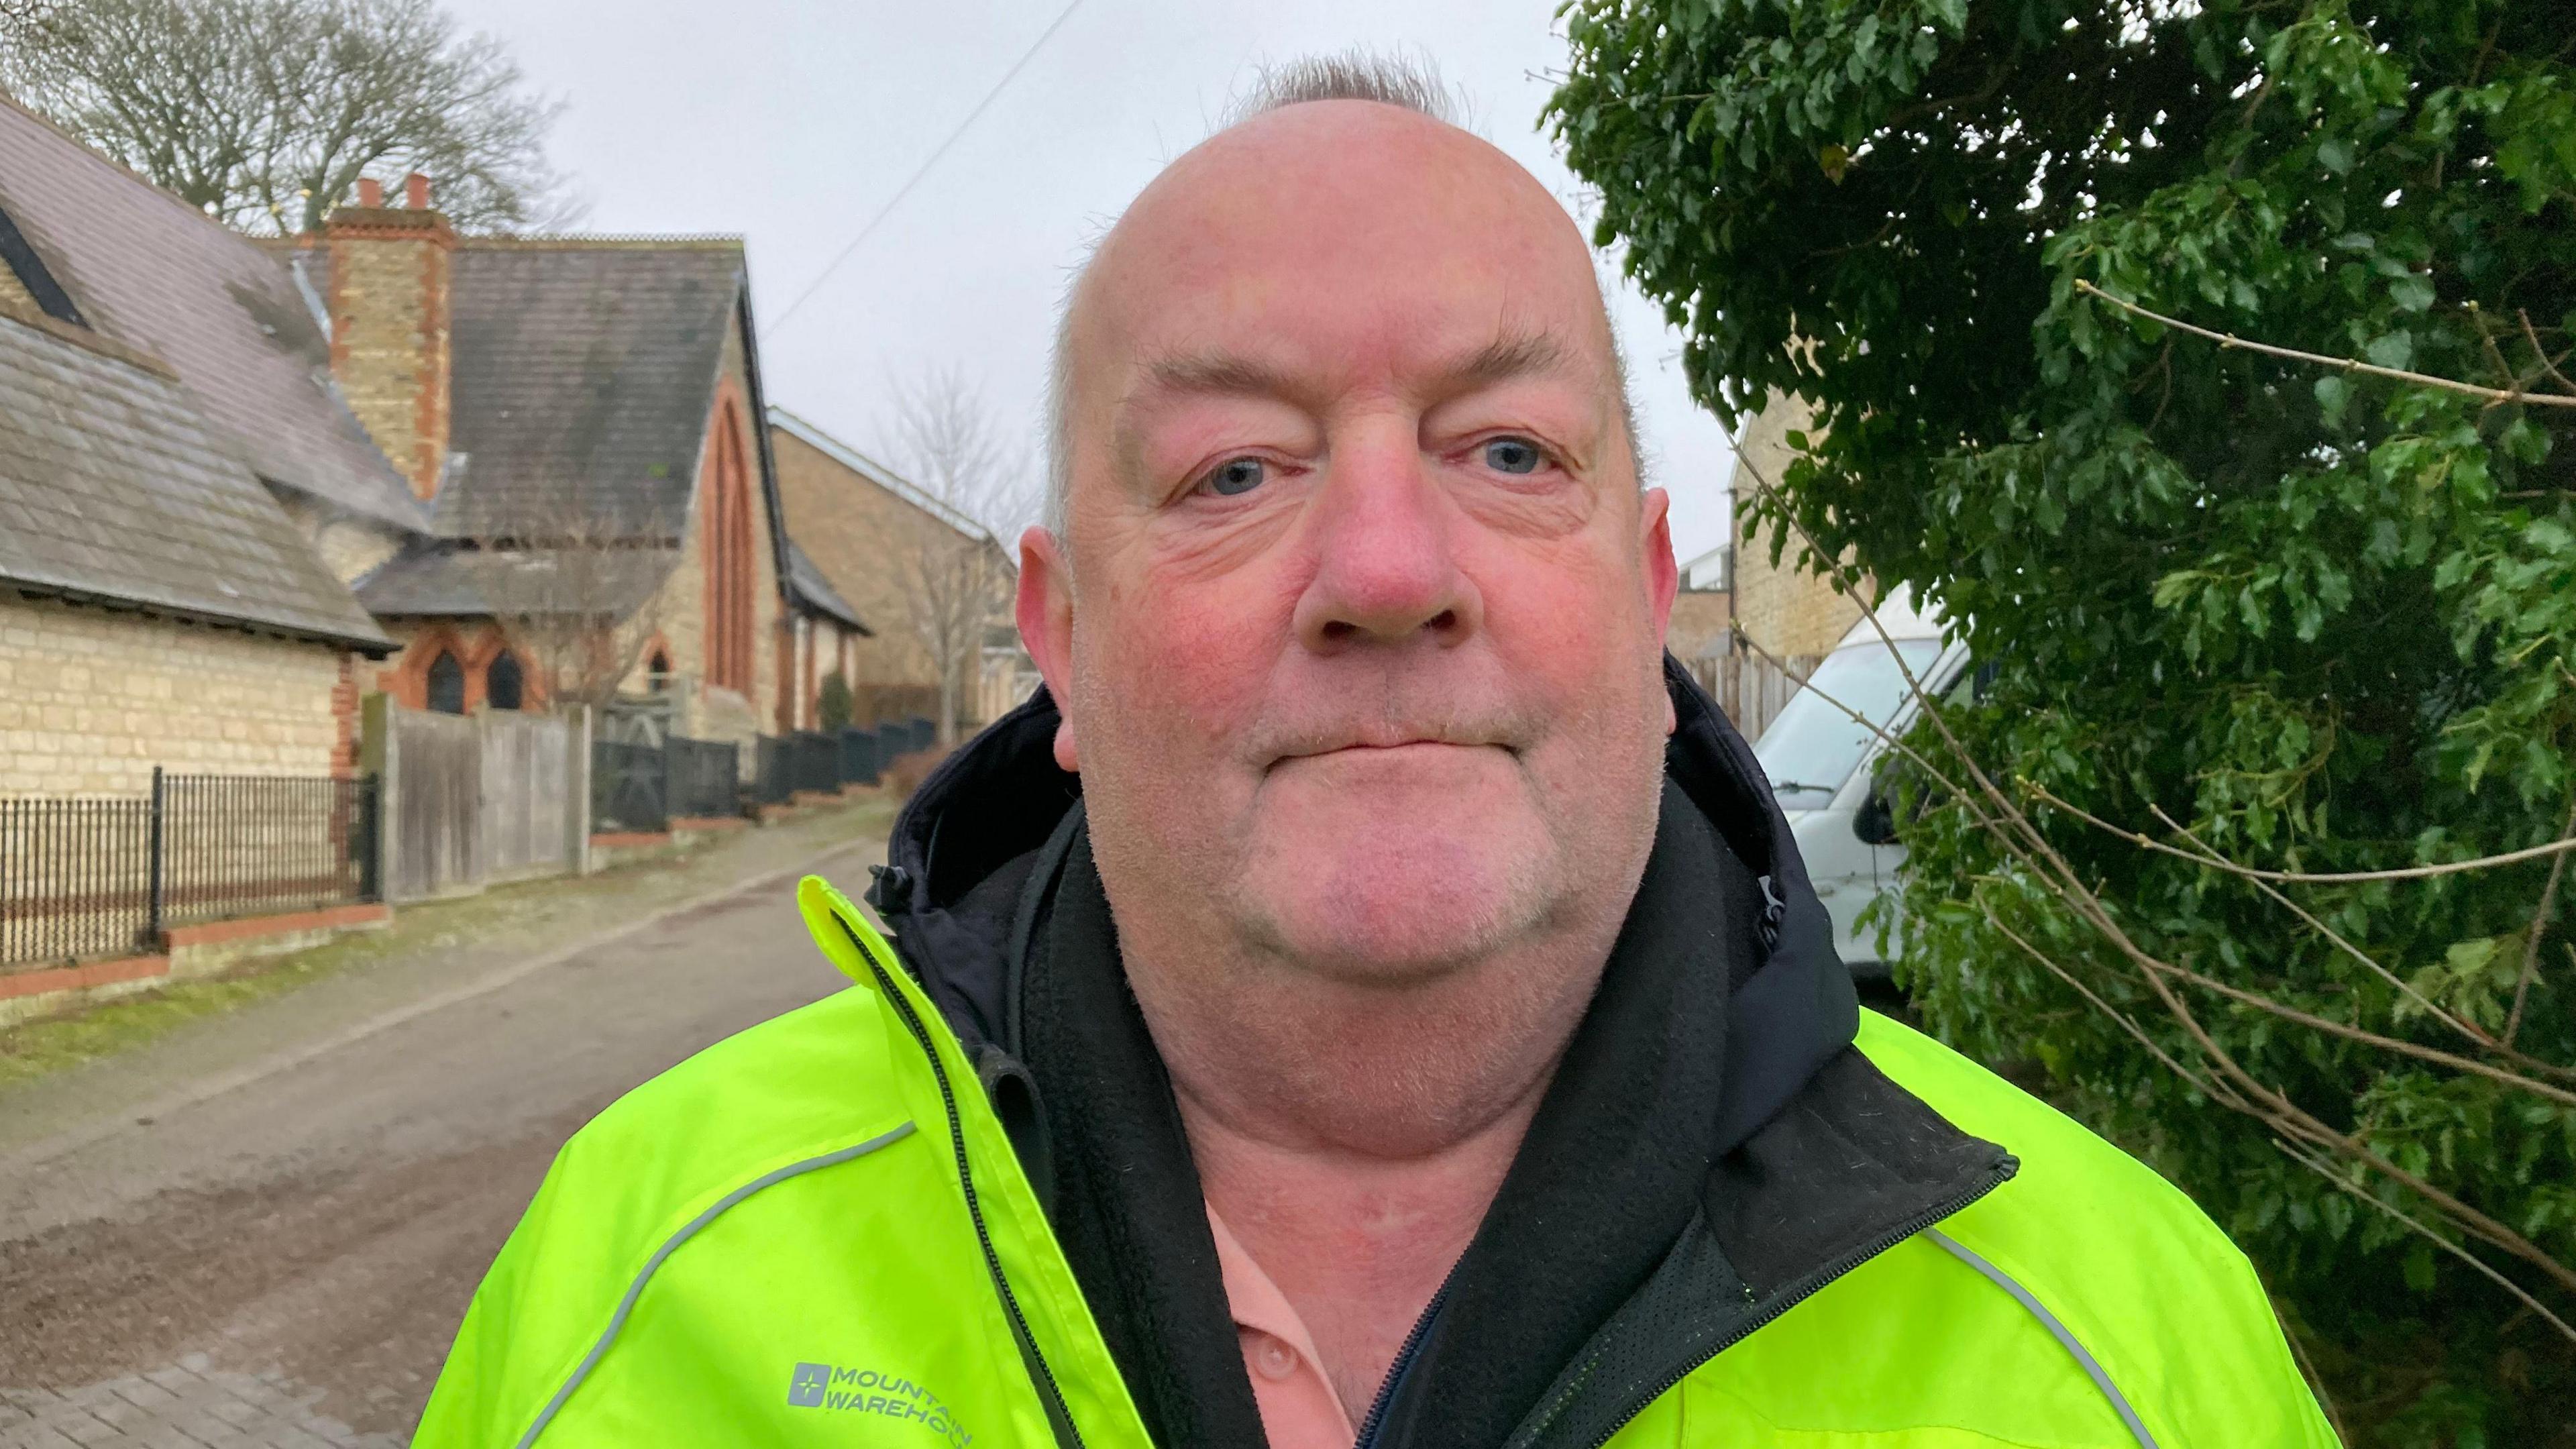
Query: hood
x,y
973,850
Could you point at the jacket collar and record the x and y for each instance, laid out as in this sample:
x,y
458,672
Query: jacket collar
x,y
1722,1146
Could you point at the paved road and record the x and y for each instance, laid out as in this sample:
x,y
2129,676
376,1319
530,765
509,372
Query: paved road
x,y
284,1262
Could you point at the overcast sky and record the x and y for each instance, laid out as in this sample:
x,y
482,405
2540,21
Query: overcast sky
x,y
790,122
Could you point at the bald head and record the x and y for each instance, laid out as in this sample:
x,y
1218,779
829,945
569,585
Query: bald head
x,y
1354,609
1365,152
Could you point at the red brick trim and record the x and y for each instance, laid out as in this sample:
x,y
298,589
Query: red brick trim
x,y
248,928
620,839
73,978
703,824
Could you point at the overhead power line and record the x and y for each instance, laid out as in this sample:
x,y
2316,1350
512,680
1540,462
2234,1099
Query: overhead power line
x,y
915,180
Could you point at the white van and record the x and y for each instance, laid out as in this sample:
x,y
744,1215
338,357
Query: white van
x,y
1823,765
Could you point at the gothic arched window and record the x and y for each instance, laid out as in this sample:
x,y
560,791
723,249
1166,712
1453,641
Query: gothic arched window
x,y
503,681
446,684
726,525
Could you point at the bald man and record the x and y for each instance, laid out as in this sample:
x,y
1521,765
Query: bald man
x,y
1369,997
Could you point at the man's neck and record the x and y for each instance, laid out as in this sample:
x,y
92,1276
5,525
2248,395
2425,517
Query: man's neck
x,y
1357,1245
1353,1138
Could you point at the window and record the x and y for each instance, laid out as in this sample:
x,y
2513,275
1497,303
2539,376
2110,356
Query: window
x,y
446,684
725,524
658,672
503,682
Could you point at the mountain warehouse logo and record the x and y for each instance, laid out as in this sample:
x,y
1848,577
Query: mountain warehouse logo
x,y
867,1391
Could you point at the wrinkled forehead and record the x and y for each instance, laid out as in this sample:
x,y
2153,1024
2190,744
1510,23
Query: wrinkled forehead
x,y
1340,243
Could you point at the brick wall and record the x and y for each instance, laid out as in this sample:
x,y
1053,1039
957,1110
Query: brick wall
x,y
1699,626
1784,608
389,335
91,700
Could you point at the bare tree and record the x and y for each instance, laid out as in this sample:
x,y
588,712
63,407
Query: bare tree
x,y
575,583
956,571
266,112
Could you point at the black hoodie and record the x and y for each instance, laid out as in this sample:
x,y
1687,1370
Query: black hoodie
x,y
1711,1150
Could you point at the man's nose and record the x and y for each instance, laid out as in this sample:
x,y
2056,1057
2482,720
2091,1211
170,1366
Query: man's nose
x,y
1386,566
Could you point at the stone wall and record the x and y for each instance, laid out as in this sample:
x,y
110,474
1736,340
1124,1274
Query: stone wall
x,y
92,699
677,613
390,335
1784,608
857,533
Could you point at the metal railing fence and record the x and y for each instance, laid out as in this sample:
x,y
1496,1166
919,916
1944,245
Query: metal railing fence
x,y
629,786
704,777
100,876
773,776
814,762
859,756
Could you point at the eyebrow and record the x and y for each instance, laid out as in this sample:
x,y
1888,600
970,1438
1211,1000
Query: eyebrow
x,y
1518,354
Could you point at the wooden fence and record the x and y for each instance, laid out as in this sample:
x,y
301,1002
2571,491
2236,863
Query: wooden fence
x,y
1750,688
474,799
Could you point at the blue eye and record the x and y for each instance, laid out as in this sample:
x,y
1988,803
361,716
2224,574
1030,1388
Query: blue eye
x,y
1236,475
1513,455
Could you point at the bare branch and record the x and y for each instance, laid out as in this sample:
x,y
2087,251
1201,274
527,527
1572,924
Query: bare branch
x,y
2539,928
2324,1169
266,112
2340,364
2299,877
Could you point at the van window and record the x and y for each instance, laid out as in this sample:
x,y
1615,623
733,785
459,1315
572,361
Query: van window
x,y
1812,746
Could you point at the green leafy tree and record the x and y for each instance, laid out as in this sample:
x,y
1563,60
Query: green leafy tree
x,y
2247,611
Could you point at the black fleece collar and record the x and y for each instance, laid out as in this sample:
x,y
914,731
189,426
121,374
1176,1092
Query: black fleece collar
x,y
1712,1149
1622,1146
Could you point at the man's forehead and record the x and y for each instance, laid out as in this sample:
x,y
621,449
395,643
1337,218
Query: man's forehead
x,y
1321,221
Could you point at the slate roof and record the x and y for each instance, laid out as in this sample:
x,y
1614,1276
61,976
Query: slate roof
x,y
807,586
587,365
115,488
224,313
439,579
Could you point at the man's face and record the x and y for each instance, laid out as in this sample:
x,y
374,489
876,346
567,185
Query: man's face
x,y
1358,620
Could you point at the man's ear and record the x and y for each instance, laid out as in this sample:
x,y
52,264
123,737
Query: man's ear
x,y
1045,612
1662,575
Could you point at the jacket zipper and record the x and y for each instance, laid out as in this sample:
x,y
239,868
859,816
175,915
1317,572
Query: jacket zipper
x,y
1059,1417
1403,1364
1807,1288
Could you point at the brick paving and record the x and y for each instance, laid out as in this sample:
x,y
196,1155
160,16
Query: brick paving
x,y
189,1405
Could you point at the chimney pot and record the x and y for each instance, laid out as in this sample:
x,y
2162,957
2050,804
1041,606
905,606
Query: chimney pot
x,y
416,192
371,192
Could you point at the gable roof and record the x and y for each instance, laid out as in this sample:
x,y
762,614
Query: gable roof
x,y
583,368
115,489
225,315
807,587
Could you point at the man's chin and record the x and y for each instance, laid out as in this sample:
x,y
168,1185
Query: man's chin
x,y
1368,919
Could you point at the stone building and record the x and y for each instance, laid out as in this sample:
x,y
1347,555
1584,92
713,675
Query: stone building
x,y
170,449
578,418
825,637
1788,609
921,572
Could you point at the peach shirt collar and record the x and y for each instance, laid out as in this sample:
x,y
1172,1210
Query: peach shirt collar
x,y
1299,1409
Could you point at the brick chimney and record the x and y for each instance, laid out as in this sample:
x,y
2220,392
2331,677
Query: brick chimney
x,y
389,323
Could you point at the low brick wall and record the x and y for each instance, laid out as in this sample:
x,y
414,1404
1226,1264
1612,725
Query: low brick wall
x,y
192,951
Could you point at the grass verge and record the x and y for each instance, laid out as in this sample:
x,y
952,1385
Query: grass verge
x,y
49,1044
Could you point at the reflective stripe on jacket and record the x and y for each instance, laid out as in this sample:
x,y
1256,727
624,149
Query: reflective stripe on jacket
x,y
817,1233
